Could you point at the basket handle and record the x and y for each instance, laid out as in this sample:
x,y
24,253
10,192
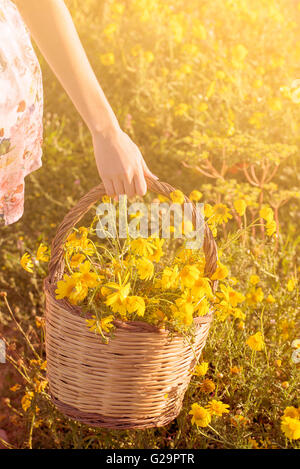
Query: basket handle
x,y
56,264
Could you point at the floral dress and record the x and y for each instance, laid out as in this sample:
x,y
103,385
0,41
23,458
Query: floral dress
x,y
21,111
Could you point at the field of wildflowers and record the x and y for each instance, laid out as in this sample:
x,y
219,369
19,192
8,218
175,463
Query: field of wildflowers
x,y
210,92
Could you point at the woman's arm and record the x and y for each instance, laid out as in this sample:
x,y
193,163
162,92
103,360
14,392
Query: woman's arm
x,y
119,161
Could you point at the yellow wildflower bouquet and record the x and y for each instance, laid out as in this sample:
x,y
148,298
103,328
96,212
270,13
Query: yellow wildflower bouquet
x,y
152,279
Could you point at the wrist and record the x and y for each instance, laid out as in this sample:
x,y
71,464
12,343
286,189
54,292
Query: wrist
x,y
108,128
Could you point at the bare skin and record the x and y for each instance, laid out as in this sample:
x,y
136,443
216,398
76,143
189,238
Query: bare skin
x,y
120,163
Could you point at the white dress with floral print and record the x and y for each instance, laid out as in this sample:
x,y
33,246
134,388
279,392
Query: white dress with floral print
x,y
21,111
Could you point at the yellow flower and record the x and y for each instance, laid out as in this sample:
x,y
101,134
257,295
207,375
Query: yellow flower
x,y
145,269
157,250
207,386
208,210
15,388
292,282
105,324
183,311
270,299
177,197
195,196
254,296
76,260
169,277
202,307
292,412
107,59
291,427
221,214
72,288
121,291
254,279
220,273
201,416
136,304
230,295
189,275
235,370
240,206
142,247
201,369
271,227
26,401
26,262
217,408
266,213
78,240
88,278
42,253
256,342
202,288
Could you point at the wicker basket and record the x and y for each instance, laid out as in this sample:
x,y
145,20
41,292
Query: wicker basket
x,y
139,378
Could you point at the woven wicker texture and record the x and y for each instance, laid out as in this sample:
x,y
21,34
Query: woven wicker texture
x,y
138,379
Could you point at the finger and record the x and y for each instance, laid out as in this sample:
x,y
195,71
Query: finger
x,y
119,187
109,188
129,188
140,184
147,171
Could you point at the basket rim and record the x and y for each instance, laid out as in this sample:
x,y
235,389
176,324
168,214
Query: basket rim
x,y
133,326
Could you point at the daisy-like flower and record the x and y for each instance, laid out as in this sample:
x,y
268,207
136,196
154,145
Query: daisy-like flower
x,y
183,311
254,279
145,268
177,197
291,427
201,416
72,288
142,247
221,214
105,324
207,386
157,253
88,278
256,342
230,295
267,214
189,275
254,296
220,273
136,304
195,196
76,260
26,262
217,408
202,307
240,206
120,291
169,277
202,287
42,253
201,369
271,227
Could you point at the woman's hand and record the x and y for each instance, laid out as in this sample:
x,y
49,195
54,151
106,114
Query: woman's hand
x,y
120,164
